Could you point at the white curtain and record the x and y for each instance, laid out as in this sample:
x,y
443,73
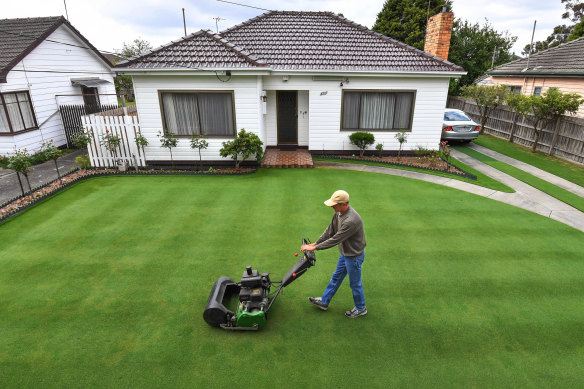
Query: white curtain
x,y
3,121
13,112
377,111
25,109
196,113
181,113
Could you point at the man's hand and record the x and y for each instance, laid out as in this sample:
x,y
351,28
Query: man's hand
x,y
308,247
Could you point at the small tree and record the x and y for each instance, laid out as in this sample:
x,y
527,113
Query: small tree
x,y
20,162
487,98
402,137
52,152
362,140
141,142
379,148
198,141
244,144
82,139
168,141
542,110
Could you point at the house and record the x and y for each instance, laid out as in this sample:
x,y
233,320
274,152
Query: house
x,y
560,67
296,79
46,62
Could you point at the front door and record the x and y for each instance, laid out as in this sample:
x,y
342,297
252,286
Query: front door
x,y
287,106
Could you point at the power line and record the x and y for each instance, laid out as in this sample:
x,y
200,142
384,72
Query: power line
x,y
244,5
53,41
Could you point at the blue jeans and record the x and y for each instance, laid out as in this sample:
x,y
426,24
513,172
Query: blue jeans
x,y
352,266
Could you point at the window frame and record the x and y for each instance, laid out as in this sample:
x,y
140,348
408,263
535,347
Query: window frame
x,y
5,109
409,129
197,91
514,89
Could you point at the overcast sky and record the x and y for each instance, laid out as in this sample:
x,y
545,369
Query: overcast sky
x,y
109,23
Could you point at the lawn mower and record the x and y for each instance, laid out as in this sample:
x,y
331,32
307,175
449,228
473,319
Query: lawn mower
x,y
254,296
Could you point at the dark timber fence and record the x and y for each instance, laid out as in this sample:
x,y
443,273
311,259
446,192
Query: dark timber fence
x,y
563,138
71,117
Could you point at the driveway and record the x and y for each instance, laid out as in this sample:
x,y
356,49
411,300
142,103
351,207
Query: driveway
x,y
39,175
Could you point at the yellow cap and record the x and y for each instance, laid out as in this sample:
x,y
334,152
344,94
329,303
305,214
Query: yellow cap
x,y
339,197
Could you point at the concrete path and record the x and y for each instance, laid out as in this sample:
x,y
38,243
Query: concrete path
x,y
525,196
39,175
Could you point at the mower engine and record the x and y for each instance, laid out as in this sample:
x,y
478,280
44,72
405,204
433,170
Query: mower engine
x,y
254,296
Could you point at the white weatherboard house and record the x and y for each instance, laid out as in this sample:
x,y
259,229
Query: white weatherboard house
x,y
296,79
43,62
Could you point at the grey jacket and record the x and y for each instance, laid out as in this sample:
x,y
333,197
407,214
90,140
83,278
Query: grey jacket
x,y
345,230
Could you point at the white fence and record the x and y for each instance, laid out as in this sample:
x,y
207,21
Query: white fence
x,y
127,128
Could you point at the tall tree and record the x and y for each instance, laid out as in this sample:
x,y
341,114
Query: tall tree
x,y
405,20
574,10
123,83
472,46
578,31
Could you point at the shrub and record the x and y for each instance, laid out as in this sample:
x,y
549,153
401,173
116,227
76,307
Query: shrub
x,y
169,141
362,140
50,151
244,144
199,142
83,161
379,148
82,139
20,162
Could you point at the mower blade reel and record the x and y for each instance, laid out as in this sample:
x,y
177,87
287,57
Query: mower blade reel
x,y
255,327
216,314
298,269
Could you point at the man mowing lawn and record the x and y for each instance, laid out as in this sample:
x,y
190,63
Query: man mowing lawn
x,y
346,231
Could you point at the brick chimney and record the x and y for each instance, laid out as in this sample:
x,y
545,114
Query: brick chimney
x,y
438,34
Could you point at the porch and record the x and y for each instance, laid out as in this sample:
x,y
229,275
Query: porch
x,y
276,158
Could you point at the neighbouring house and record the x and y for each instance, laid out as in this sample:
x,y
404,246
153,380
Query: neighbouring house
x,y
45,62
296,79
560,67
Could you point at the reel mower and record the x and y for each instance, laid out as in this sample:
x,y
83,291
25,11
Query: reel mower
x,y
254,296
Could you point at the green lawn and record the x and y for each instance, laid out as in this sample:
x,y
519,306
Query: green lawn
x,y
104,286
560,167
561,194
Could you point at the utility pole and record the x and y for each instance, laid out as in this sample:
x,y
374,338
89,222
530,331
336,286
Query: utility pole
x,y
66,13
493,60
184,22
531,44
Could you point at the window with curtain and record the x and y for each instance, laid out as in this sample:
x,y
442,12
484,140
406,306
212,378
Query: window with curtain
x,y
191,113
16,113
377,110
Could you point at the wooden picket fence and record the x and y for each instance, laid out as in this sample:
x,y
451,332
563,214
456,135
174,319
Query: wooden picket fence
x,y
563,138
127,128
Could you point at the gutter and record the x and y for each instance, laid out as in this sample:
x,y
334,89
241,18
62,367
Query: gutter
x,y
549,74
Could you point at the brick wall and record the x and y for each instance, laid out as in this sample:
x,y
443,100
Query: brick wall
x,y
438,34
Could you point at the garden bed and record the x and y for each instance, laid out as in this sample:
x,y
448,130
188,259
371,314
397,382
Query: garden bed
x,y
437,164
21,203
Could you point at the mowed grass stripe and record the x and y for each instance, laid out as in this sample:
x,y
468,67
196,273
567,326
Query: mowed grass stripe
x,y
105,284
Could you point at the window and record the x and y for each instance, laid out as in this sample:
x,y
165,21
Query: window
x,y
377,110
454,116
537,91
190,113
516,90
16,113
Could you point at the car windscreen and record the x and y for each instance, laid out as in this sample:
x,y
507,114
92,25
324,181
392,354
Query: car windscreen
x,y
454,116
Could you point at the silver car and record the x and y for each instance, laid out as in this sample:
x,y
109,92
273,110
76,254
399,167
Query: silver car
x,y
458,126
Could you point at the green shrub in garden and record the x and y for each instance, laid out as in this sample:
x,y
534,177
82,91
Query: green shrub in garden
x,y
362,140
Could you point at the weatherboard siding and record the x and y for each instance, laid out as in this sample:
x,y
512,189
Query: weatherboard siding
x,y
70,62
146,88
528,84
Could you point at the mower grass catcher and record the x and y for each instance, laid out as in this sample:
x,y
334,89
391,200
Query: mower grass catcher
x,y
254,296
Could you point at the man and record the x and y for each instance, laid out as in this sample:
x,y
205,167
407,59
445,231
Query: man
x,y
346,231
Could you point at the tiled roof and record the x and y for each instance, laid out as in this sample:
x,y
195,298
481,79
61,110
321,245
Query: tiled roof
x,y
297,41
562,60
18,37
202,49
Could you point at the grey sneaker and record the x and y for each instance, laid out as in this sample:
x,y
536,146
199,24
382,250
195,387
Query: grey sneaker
x,y
318,302
353,313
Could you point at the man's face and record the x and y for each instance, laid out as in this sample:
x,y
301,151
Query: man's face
x,y
339,207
